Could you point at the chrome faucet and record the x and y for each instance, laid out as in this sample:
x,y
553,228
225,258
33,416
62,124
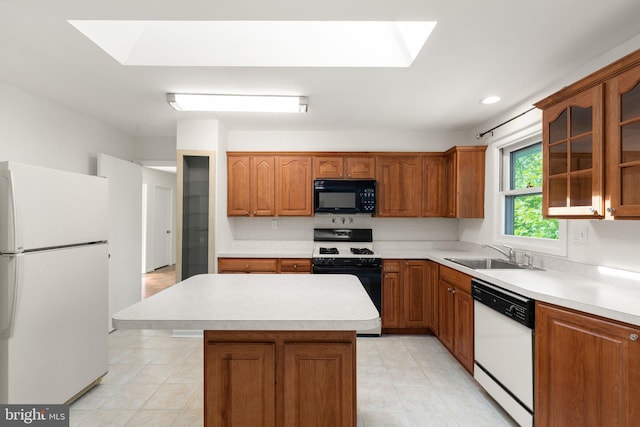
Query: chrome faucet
x,y
511,255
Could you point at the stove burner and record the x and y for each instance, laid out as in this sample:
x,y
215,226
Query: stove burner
x,y
361,251
329,251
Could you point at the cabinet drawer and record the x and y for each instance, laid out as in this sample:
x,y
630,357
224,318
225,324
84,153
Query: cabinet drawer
x,y
391,266
247,265
460,280
296,265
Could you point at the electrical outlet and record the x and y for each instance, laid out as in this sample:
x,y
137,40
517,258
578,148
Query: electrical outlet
x,y
580,234
274,224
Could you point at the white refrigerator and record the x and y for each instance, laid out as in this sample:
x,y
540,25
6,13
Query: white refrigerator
x,y
53,284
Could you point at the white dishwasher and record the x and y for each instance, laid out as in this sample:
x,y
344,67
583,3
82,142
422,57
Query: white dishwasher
x,y
503,347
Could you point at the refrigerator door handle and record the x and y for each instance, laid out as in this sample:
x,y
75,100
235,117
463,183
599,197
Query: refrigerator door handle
x,y
7,331
13,231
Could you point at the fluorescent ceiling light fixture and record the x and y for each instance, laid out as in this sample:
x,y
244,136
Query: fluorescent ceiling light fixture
x,y
490,100
259,43
238,103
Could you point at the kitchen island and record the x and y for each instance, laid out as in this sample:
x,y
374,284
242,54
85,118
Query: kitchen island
x,y
279,350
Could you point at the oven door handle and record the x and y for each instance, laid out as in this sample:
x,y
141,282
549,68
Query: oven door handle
x,y
337,270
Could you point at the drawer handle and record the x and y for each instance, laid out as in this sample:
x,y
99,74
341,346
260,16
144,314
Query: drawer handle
x,y
633,337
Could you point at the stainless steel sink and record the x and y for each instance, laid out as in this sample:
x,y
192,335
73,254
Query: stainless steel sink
x,y
490,264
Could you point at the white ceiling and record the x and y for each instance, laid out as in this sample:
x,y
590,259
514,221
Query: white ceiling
x,y
511,48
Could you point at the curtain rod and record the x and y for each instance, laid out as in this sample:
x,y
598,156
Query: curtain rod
x,y
480,135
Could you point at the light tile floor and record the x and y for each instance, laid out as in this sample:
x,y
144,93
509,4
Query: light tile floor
x,y
155,380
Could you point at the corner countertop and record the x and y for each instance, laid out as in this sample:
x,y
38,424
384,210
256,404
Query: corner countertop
x,y
263,302
610,293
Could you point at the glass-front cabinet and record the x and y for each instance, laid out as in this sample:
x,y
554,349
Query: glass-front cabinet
x,y
573,185
623,144
195,174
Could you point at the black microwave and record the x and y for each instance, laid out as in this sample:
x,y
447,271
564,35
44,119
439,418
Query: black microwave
x,y
344,196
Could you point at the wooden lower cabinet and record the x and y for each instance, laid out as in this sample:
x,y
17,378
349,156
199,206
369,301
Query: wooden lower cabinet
x,y
406,295
587,369
455,328
240,381
280,378
294,265
247,265
264,265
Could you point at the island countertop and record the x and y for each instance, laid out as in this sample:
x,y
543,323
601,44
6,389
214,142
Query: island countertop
x,y
267,302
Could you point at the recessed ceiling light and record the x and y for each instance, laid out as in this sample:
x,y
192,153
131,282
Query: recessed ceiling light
x,y
238,103
490,99
259,43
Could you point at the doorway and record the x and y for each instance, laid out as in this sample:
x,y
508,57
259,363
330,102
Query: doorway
x,y
162,228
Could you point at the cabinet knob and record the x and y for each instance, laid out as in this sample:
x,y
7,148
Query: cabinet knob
x,y
449,289
295,266
593,211
611,210
255,212
633,337
246,212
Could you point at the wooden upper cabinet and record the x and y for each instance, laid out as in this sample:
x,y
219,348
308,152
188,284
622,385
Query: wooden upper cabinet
x,y
399,185
344,167
238,185
464,182
623,144
328,167
360,167
294,186
572,138
599,111
250,185
433,194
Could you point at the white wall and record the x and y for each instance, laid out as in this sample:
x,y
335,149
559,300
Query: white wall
x,y
610,243
38,132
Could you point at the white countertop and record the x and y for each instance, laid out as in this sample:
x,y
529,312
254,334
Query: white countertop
x,y
256,302
592,291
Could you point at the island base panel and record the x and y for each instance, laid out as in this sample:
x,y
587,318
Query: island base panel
x,y
280,378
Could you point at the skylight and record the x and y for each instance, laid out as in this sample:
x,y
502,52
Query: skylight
x,y
259,43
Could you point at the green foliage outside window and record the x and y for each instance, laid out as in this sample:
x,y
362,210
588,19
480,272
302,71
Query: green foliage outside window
x,y
524,212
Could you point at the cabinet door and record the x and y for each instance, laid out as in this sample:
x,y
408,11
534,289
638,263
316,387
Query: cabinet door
x,y
240,381
587,370
446,315
399,186
623,144
319,383
572,138
238,185
360,167
450,190
433,194
328,167
294,185
195,218
463,328
391,300
263,186
415,294
432,291
247,265
298,265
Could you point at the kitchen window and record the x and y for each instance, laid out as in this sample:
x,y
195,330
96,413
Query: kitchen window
x,y
521,198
